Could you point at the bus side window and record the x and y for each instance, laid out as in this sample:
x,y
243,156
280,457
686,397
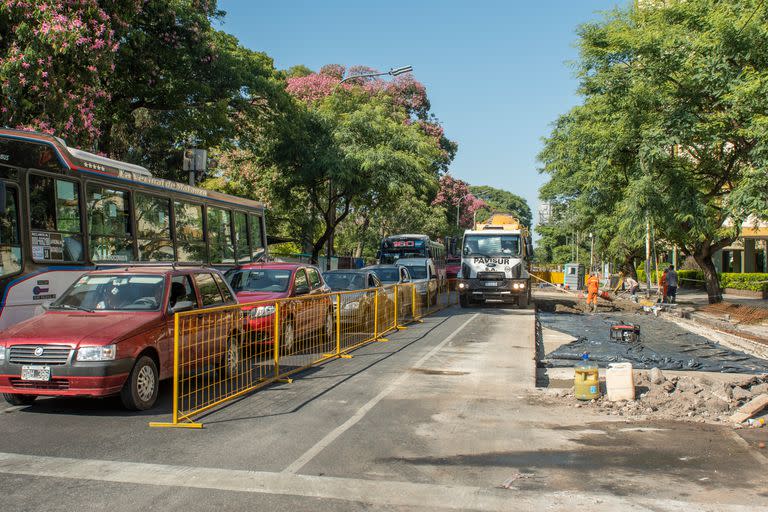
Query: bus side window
x,y
242,251
257,243
55,209
153,226
220,246
109,224
10,244
190,243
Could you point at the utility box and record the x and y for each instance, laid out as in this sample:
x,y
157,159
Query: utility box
x,y
574,276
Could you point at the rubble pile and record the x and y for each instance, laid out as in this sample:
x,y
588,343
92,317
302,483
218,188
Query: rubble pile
x,y
695,398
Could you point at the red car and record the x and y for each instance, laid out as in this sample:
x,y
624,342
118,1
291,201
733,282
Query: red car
x,y
110,333
452,266
269,281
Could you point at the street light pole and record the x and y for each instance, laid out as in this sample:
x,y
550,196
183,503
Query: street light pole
x,y
458,206
331,206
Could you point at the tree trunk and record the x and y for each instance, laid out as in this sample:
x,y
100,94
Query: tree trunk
x,y
363,229
704,259
628,267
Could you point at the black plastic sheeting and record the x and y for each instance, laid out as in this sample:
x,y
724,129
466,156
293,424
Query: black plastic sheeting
x,y
662,344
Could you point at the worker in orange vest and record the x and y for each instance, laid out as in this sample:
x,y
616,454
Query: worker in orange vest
x,y
593,287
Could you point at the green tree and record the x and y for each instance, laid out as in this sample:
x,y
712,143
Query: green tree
x,y
502,200
682,86
178,82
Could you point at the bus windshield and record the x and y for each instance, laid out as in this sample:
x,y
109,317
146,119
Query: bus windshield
x,y
492,245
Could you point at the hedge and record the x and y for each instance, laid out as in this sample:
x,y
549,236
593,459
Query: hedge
x,y
753,282
695,278
685,277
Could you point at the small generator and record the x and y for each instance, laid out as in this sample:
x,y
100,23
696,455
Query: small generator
x,y
627,333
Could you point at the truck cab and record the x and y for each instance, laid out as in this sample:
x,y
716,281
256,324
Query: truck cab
x,y
495,260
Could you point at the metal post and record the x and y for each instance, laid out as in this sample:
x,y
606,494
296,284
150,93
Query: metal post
x,y
276,340
647,257
338,324
175,368
397,292
375,313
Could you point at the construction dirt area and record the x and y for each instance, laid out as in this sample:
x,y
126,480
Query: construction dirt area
x,y
684,369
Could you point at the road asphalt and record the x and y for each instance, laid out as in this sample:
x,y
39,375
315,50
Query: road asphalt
x,y
444,416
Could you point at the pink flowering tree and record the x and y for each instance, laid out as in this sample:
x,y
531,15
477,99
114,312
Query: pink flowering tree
x,y
406,93
454,194
54,69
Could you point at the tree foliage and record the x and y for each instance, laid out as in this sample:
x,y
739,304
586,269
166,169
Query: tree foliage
x,y
673,121
497,199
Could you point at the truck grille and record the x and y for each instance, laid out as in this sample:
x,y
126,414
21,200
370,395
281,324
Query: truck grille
x,y
491,276
52,354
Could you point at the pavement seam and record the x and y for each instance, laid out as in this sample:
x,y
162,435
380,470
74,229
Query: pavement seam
x,y
329,438
426,496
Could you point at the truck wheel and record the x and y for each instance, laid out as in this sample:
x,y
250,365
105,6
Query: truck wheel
x,y
15,399
463,301
140,390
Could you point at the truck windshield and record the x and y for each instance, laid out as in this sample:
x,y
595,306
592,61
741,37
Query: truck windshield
x,y
118,292
492,245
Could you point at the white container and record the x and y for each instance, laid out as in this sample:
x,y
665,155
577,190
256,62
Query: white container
x,y
620,382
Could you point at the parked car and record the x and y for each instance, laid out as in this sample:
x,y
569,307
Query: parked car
x,y
356,308
110,333
390,274
423,276
271,281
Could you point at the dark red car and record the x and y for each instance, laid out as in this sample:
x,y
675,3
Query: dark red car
x,y
110,333
452,266
256,282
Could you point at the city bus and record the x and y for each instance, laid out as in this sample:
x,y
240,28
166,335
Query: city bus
x,y
396,247
64,211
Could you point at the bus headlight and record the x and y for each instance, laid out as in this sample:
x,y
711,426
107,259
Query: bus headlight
x,y
2,354
352,305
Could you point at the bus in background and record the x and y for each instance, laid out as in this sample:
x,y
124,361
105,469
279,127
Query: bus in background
x,y
396,247
64,211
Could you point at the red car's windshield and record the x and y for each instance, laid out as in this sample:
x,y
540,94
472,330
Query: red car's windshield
x,y
259,280
118,292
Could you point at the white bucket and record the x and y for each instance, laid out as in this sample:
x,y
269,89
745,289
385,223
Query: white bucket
x,y
620,382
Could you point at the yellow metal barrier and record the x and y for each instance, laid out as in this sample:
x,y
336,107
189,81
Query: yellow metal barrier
x,y
223,353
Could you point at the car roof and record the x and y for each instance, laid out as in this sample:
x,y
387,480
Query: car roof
x,y
347,271
150,269
274,265
405,261
381,265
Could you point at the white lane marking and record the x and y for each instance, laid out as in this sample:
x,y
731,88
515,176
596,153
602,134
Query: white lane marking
x,y
374,492
335,433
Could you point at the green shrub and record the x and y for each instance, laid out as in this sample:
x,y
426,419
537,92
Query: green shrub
x,y
754,282
687,278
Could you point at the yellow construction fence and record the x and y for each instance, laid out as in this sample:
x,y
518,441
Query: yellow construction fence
x,y
225,352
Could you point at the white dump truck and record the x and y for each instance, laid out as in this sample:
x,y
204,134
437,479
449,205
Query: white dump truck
x,y
495,260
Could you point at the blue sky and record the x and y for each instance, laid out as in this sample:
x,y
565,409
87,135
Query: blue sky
x,y
496,72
